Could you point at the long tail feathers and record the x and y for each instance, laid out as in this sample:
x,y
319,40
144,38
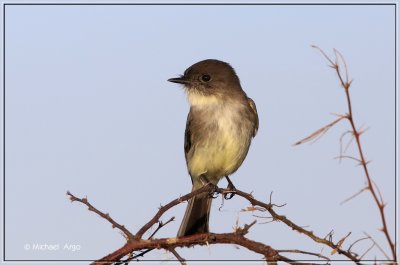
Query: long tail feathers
x,y
196,216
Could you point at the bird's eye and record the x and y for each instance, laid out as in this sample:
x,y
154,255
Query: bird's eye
x,y
205,78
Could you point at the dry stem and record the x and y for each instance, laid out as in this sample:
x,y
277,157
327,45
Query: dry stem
x,y
345,84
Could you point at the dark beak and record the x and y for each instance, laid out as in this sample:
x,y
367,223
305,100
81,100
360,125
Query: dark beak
x,y
179,80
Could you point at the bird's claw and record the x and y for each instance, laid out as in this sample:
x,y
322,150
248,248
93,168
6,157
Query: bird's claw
x,y
214,191
232,190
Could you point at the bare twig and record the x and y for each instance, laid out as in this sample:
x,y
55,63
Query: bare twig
x,y
106,216
273,204
348,157
377,245
132,257
355,242
354,195
162,210
340,243
329,235
346,83
342,151
320,132
379,192
161,225
178,257
365,253
141,254
303,252
245,229
292,225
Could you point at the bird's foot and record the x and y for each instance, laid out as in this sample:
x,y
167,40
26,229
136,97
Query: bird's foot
x,y
232,189
214,190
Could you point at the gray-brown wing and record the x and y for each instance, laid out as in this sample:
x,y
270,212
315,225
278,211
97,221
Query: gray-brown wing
x,y
254,109
188,135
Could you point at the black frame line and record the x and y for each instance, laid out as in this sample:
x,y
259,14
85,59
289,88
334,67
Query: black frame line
x,y
205,4
188,4
4,132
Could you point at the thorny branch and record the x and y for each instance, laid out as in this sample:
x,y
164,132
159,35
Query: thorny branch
x,y
268,252
128,235
277,217
345,84
237,237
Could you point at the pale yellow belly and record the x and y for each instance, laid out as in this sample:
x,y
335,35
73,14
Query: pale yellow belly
x,y
221,156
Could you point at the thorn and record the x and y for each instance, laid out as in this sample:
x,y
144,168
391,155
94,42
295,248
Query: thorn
x,y
363,131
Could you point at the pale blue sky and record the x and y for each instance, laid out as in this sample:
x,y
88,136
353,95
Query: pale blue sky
x,y
88,109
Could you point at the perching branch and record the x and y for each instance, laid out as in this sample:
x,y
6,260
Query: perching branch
x,y
237,237
268,252
163,209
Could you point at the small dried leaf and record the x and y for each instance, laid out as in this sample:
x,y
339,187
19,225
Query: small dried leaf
x,y
249,209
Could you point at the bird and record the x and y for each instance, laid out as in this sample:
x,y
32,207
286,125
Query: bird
x,y
220,126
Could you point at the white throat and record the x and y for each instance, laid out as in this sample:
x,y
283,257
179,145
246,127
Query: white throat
x,y
199,100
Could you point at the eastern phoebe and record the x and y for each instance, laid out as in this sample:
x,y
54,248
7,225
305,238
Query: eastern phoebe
x,y
220,125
